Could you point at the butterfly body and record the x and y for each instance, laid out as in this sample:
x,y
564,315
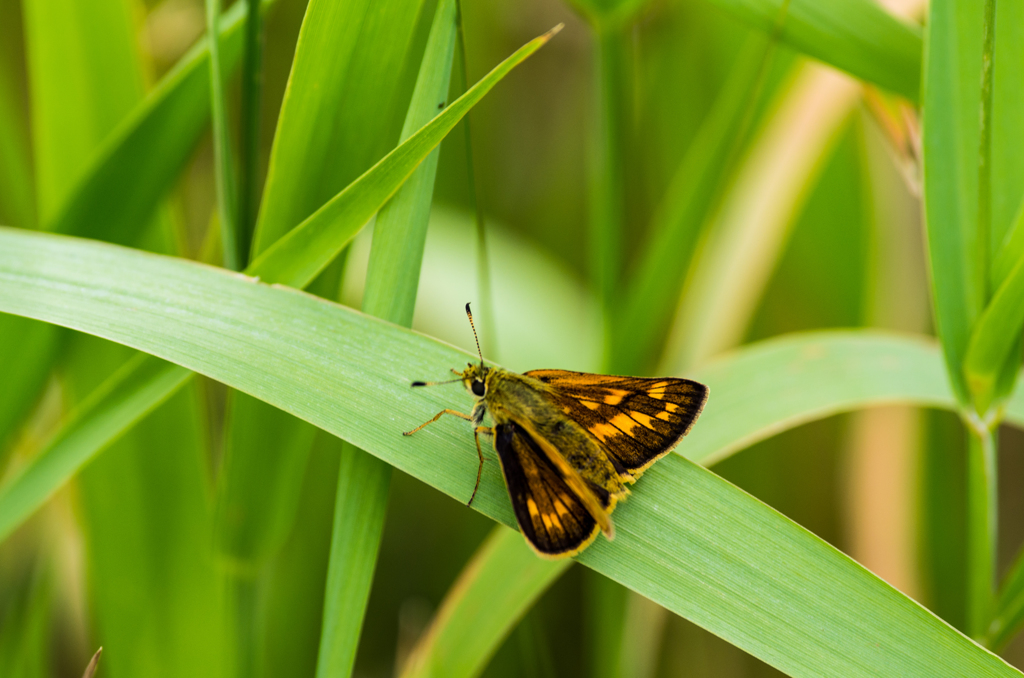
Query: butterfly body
x,y
570,442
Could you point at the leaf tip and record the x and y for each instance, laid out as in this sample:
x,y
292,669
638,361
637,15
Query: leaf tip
x,y
553,32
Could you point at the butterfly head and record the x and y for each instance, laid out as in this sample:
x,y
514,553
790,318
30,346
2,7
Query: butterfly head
x,y
474,378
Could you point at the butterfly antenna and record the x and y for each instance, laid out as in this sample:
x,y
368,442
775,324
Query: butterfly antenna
x,y
469,314
436,383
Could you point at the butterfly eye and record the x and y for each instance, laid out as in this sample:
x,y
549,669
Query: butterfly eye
x,y
478,388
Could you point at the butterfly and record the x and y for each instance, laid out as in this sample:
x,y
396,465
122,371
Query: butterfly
x,y
569,443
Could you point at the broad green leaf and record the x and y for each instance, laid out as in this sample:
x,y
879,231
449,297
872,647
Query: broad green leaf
x,y
952,68
391,282
750,576
856,36
825,373
492,593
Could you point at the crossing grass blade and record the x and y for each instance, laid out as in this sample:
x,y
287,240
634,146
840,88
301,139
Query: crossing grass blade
x,y
856,36
750,576
392,278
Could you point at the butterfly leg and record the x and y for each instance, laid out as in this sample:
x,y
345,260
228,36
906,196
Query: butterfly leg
x,y
436,417
486,430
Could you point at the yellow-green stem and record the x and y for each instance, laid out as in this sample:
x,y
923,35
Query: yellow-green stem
x,y
981,528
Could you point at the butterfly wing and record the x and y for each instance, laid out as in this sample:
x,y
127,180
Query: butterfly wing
x,y
551,514
636,420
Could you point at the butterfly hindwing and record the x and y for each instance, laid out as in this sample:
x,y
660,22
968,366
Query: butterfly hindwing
x,y
637,420
551,515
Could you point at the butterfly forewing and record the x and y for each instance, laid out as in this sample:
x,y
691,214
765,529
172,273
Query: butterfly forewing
x,y
636,420
550,514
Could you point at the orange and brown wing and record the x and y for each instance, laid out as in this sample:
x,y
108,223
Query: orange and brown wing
x,y
636,420
551,515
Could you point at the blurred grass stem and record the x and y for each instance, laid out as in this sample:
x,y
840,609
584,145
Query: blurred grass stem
x,y
249,130
221,144
982,527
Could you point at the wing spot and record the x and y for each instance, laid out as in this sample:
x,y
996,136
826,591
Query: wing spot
x,y
644,419
624,423
670,407
615,396
664,415
590,404
604,431
658,390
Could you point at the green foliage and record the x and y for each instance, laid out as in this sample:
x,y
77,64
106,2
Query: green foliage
x,y
727,200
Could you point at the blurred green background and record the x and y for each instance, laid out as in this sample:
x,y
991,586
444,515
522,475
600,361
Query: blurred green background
x,y
815,223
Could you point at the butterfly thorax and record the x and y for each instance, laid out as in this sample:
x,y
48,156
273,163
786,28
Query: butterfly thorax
x,y
511,398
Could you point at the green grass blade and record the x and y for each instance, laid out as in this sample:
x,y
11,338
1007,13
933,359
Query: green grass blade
x,y
141,385
81,86
1011,252
996,334
750,576
310,246
856,36
950,145
346,79
359,512
781,383
396,254
392,278
223,166
150,148
491,595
